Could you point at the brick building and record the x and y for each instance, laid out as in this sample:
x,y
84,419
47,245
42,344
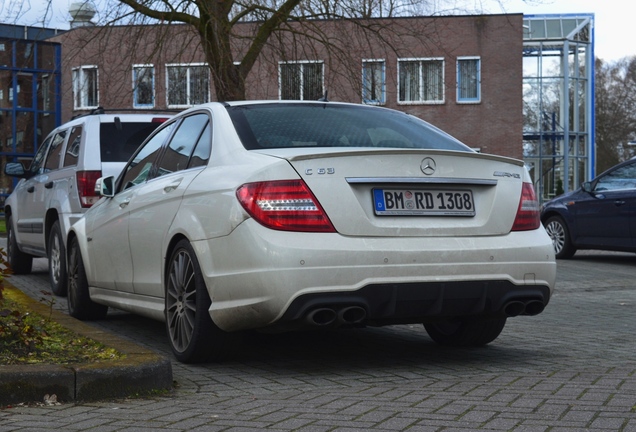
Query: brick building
x,y
461,73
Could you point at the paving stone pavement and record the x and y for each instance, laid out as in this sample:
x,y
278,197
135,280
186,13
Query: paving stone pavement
x,y
571,368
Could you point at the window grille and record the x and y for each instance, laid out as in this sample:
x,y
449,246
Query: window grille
x,y
373,82
468,80
301,81
421,81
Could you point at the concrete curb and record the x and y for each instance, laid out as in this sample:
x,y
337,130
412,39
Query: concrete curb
x,y
142,371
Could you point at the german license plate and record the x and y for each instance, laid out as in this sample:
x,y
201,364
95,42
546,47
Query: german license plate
x,y
429,202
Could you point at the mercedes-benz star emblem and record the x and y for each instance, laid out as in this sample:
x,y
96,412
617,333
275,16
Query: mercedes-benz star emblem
x,y
428,166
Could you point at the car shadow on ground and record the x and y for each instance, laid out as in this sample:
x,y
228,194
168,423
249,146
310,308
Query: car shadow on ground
x,y
406,347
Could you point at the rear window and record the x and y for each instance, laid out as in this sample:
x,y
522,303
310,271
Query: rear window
x,y
120,140
327,125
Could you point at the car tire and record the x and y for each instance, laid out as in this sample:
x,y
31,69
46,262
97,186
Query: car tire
x,y
80,305
20,262
193,335
560,235
58,278
465,333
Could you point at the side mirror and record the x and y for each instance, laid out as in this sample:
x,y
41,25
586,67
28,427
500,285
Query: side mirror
x,y
587,187
15,169
105,186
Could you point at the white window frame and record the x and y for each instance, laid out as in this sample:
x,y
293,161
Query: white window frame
x,y
80,90
135,70
421,97
366,99
300,63
189,66
460,78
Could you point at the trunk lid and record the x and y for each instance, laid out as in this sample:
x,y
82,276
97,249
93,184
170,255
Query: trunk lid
x,y
432,193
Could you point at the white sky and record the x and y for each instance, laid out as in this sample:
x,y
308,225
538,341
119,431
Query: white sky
x,y
613,20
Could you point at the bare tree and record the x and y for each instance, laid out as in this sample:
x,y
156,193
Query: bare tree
x,y
615,111
234,34
231,52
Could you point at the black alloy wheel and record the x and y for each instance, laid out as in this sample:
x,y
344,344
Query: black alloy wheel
x,y
193,335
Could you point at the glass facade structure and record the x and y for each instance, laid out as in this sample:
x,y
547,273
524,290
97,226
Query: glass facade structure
x,y
558,101
30,102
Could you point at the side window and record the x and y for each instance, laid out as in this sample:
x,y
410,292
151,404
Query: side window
x,y
619,179
55,153
73,147
201,153
138,170
178,152
38,159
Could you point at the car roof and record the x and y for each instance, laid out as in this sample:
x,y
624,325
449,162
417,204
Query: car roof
x,y
110,118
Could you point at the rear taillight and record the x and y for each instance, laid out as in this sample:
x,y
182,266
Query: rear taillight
x,y
86,187
528,217
286,205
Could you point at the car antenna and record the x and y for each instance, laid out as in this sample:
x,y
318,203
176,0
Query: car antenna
x,y
324,98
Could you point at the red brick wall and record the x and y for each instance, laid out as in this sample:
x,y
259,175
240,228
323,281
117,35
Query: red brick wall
x,y
494,125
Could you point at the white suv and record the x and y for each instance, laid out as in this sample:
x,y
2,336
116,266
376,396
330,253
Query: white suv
x,y
59,185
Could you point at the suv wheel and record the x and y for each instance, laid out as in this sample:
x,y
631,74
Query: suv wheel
x,y
57,261
80,305
465,333
20,262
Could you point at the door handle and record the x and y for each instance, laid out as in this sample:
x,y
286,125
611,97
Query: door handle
x,y
124,203
30,189
172,186
49,185
619,203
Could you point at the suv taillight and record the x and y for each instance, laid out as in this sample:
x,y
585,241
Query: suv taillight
x,y
86,187
286,205
528,213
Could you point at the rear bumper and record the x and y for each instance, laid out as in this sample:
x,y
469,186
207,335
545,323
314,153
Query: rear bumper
x,y
259,278
384,304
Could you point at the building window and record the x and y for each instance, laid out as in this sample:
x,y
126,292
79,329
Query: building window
x,y
46,93
143,86
421,81
85,87
373,82
187,85
468,79
301,80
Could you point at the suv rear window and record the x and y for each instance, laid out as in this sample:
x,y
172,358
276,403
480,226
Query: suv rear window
x,y
263,126
120,140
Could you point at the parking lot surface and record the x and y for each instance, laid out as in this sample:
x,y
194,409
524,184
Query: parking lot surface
x,y
571,368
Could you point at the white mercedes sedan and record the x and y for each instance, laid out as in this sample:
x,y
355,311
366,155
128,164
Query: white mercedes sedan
x,y
291,215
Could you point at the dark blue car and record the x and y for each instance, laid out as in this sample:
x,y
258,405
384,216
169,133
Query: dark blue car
x,y
599,215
